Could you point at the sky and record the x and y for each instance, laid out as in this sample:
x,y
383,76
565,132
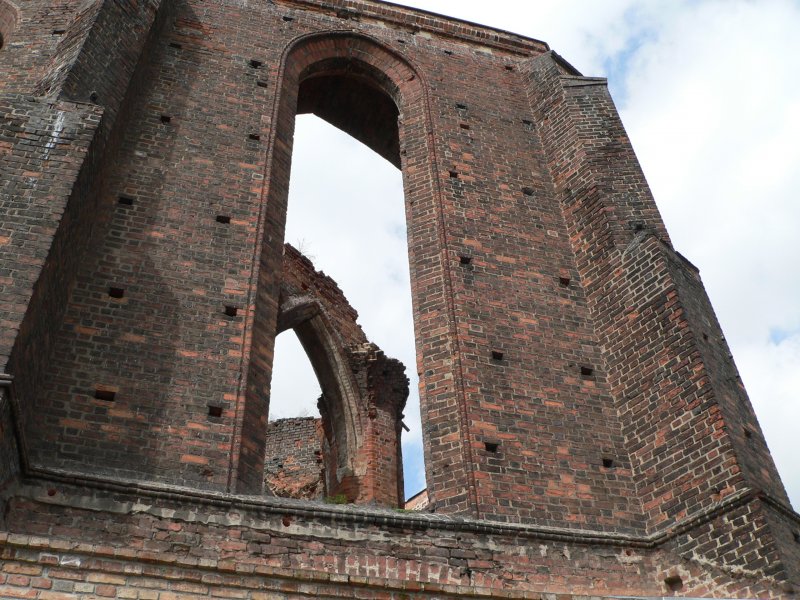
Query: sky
x,y
709,95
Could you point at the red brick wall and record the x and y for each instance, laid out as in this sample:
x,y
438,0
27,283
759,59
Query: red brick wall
x,y
294,464
67,541
29,39
572,374
8,21
650,311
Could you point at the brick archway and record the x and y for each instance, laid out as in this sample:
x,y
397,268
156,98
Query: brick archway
x,y
347,65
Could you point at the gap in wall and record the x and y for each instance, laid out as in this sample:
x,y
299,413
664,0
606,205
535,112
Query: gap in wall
x,y
295,389
346,214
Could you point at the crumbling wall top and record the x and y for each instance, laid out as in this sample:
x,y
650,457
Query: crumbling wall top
x,y
425,23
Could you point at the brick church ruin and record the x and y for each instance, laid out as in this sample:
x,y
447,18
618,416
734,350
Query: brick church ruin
x,y
585,429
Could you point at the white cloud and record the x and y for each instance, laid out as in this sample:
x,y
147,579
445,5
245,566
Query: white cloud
x,y
714,115
709,95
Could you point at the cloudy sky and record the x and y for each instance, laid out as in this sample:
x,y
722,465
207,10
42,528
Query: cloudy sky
x,y
710,95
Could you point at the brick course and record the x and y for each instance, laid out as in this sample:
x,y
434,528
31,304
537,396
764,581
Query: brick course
x,y
585,430
293,463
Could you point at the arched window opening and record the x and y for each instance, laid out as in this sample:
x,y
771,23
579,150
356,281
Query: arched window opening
x,y
346,210
347,205
344,93
362,89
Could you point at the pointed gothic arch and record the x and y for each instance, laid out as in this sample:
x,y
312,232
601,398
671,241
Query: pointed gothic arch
x,y
363,391
325,74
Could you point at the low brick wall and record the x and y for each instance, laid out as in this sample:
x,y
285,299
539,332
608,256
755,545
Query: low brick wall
x,y
293,467
125,541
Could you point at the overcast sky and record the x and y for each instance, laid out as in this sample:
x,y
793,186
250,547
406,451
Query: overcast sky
x,y
710,95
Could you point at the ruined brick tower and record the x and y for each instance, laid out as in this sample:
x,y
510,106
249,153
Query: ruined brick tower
x,y
585,430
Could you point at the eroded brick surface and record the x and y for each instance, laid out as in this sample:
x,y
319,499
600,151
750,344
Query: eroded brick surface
x,y
585,431
294,464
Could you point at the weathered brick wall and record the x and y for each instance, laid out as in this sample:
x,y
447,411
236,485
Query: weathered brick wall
x,y
293,464
302,280
567,386
57,153
32,31
383,384
42,147
729,397
8,22
9,452
142,543
44,227
418,501
685,418
650,310
70,46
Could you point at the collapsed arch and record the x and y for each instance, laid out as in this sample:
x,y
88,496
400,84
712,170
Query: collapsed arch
x,y
363,391
8,21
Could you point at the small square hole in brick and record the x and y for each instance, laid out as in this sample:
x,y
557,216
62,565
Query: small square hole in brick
x,y
564,281
287,18
261,84
527,122
125,200
674,583
453,174
465,260
255,63
796,536
214,411
491,446
464,126
748,434
116,292
527,191
165,119
175,45
461,106
254,136
224,219
608,463
448,52
509,68
497,355
59,31
231,311
102,394
587,371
